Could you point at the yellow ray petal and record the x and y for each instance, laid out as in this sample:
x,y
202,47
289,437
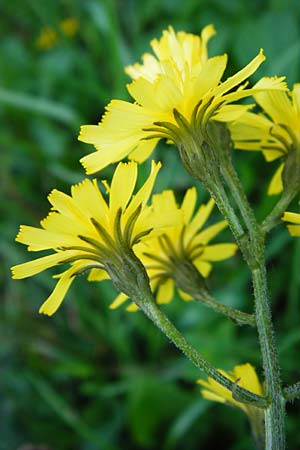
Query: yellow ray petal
x,y
118,301
142,196
209,233
240,76
199,219
122,186
38,239
291,217
143,150
296,98
165,291
294,230
38,265
132,307
248,378
203,267
229,113
186,297
210,75
89,199
97,275
218,252
276,185
189,203
51,305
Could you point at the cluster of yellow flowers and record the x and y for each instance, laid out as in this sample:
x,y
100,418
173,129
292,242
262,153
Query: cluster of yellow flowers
x,y
49,36
176,91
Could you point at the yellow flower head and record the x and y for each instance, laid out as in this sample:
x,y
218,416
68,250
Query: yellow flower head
x,y
87,232
294,218
178,80
275,132
46,39
244,375
69,26
186,241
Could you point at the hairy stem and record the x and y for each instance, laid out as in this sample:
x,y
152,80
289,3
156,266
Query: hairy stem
x,y
240,317
150,308
275,215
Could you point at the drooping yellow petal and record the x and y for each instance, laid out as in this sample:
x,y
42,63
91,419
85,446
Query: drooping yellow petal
x,y
209,233
276,185
53,302
118,301
38,265
97,275
38,239
291,217
216,392
186,297
294,230
132,307
189,203
143,150
165,292
218,252
203,267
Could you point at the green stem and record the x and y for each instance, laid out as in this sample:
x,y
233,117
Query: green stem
x,y
275,215
274,414
238,194
188,279
218,193
237,316
252,247
150,308
131,278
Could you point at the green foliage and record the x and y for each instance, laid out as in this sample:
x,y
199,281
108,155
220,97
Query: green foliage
x,y
91,378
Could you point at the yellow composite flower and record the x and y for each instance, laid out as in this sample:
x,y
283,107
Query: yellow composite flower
x,y
294,218
81,229
275,132
185,241
48,36
178,78
245,376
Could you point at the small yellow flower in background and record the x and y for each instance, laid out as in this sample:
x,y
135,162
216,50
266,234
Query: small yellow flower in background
x,y
295,219
187,241
49,37
46,39
69,26
82,229
178,77
245,376
276,132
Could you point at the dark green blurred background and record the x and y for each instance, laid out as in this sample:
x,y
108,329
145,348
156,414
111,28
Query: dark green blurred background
x,y
90,378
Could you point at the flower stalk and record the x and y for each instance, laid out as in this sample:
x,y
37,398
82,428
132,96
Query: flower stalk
x,y
132,279
252,245
188,279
